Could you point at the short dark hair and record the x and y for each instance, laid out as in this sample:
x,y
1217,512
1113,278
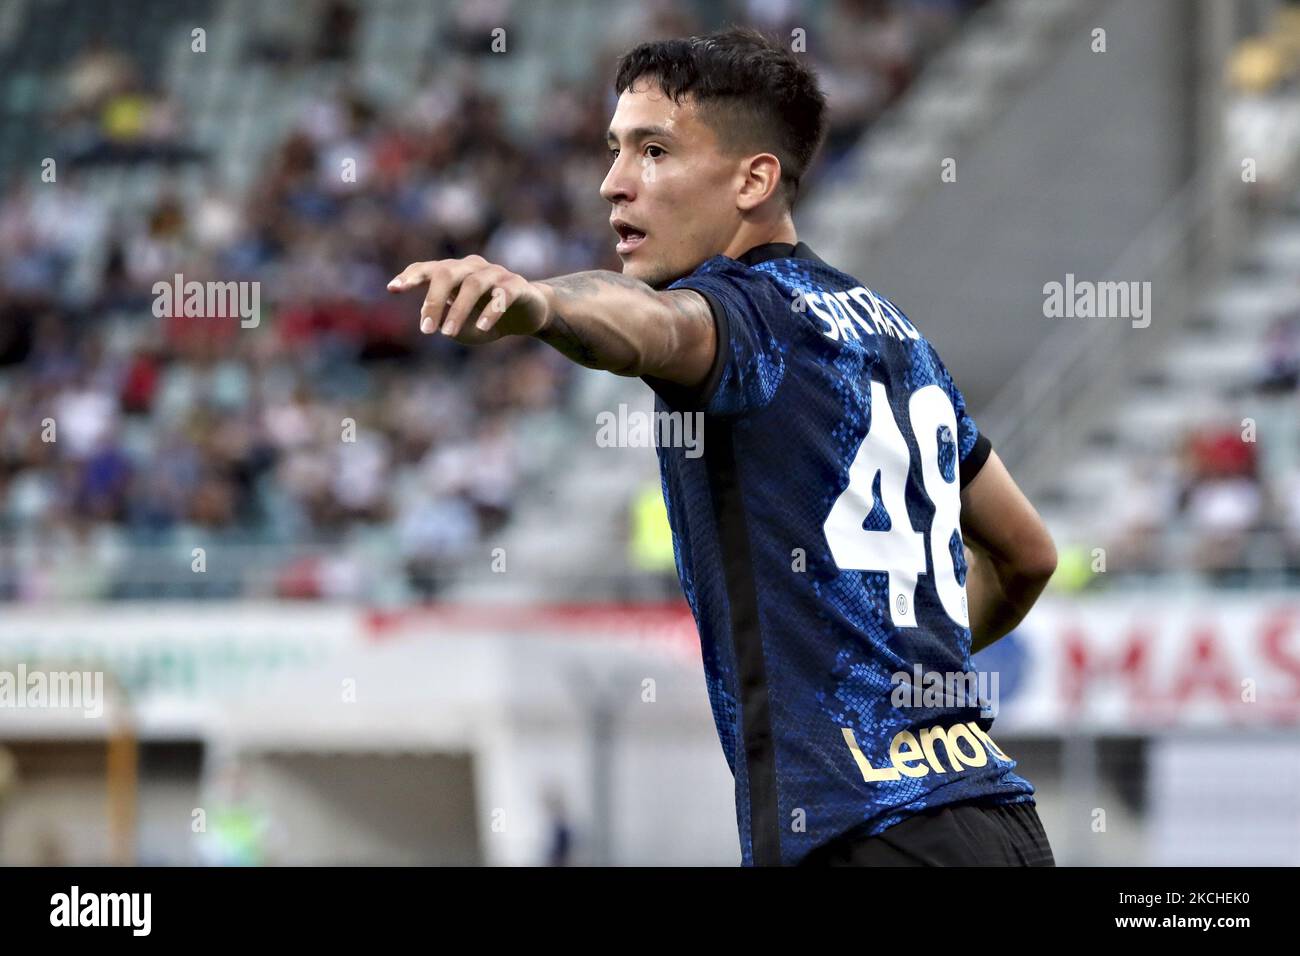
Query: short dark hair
x,y
751,90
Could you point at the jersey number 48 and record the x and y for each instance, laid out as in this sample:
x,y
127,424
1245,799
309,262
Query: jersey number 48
x,y
900,551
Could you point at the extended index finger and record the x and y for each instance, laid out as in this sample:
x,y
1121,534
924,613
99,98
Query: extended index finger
x,y
412,277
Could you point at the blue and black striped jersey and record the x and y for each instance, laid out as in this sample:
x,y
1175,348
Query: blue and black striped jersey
x,y
818,543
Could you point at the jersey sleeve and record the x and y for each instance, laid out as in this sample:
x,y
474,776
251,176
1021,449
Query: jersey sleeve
x,y
973,446
755,324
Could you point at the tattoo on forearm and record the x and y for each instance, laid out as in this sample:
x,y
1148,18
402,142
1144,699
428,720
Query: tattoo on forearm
x,y
585,283
560,336
597,322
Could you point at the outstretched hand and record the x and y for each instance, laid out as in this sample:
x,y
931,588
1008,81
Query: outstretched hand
x,y
474,301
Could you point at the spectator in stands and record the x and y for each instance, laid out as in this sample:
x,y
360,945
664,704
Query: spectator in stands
x,y
1148,506
1222,499
1282,360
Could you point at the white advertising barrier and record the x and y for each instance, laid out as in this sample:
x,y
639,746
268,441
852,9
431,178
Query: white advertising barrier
x,y
1143,663
178,664
538,699
1123,664
296,673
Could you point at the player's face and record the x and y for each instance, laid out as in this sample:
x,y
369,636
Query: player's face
x,y
670,185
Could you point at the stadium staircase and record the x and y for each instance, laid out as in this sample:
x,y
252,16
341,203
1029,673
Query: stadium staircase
x,y
956,97
1222,258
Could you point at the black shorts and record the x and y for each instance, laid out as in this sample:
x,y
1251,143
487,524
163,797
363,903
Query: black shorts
x,y
959,834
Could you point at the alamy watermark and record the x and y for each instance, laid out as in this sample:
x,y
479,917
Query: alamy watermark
x,y
129,910
636,429
39,689
946,689
209,300
1083,299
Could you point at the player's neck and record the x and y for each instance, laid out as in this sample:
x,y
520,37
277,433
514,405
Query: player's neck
x,y
752,236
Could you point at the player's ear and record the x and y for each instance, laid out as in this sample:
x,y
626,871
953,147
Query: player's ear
x,y
762,178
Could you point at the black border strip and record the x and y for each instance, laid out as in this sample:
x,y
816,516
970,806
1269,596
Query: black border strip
x,y
746,642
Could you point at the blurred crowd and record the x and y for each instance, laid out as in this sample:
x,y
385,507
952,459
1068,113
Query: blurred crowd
x,y
1226,503
108,113
329,433
187,429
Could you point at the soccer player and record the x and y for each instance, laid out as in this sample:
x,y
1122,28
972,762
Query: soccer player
x,y
846,523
